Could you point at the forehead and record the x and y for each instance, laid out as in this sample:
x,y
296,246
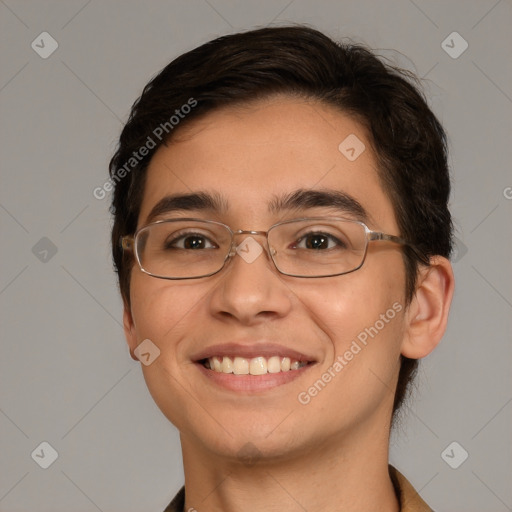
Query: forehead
x,y
250,155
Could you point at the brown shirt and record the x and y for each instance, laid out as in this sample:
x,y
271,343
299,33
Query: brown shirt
x,y
409,499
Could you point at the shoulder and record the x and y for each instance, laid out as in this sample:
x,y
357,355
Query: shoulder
x,y
178,502
410,500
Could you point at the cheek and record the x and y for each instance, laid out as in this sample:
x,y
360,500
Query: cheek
x,y
162,310
364,328
361,318
344,306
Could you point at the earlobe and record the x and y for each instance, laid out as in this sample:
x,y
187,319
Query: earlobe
x,y
129,330
427,315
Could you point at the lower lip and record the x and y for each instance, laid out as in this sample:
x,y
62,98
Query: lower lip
x,y
252,383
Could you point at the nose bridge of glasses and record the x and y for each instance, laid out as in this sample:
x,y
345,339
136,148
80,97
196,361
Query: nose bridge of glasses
x,y
246,232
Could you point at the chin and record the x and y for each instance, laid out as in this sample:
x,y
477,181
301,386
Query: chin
x,y
250,438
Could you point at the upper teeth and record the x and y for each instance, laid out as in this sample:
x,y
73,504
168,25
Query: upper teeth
x,y
255,366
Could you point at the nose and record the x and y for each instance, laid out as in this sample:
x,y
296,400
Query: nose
x,y
250,289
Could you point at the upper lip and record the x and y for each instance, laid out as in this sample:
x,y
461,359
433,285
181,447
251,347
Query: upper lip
x,y
250,350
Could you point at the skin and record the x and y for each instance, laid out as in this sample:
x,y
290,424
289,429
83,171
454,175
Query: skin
x,y
331,454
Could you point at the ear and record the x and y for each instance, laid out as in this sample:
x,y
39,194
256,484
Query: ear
x,y
427,314
129,330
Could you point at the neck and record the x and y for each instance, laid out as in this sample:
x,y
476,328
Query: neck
x,y
345,474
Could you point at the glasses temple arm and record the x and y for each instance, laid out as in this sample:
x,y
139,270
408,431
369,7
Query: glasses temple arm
x,y
375,235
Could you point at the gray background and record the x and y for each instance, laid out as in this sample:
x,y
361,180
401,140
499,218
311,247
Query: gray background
x,y
65,373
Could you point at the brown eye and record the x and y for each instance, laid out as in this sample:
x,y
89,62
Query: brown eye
x,y
318,241
190,242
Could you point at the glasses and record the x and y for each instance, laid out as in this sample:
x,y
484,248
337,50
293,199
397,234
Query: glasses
x,y
188,248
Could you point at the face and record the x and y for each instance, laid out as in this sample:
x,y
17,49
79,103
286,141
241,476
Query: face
x,y
348,328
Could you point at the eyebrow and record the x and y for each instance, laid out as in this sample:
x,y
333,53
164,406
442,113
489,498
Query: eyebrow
x,y
198,201
302,199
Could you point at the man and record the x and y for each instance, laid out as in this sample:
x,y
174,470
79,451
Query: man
x,y
281,235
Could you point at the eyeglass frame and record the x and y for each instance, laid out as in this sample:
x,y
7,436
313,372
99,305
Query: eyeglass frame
x,y
128,243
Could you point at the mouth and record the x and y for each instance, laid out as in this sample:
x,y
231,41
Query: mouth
x,y
259,365
250,367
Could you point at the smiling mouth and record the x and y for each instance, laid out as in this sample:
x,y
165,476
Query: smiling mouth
x,y
252,366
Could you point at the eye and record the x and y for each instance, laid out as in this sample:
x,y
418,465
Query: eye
x,y
318,241
190,241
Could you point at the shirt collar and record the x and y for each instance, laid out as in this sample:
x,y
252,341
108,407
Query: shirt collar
x,y
409,499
